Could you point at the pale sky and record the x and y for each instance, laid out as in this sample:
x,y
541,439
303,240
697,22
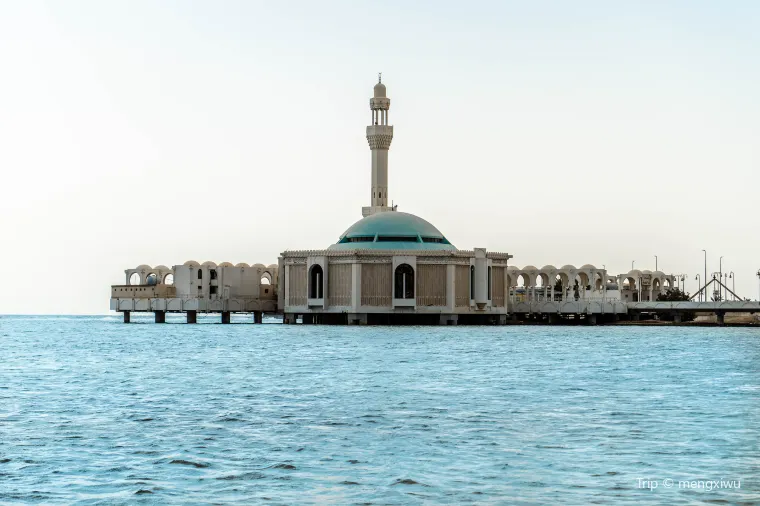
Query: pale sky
x,y
560,132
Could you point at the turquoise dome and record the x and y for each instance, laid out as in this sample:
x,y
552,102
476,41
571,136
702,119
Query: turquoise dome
x,y
393,230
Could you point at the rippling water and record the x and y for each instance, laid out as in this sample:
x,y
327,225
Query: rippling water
x,y
95,411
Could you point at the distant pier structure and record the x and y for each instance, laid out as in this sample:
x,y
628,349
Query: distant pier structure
x,y
392,267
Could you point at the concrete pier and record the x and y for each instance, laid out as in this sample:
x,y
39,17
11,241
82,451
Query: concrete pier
x,y
160,316
225,317
126,316
258,317
192,317
449,319
357,319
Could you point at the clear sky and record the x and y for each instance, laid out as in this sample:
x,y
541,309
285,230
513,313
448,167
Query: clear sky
x,y
561,132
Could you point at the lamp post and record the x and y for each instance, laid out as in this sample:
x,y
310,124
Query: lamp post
x,y
632,262
758,281
655,263
720,274
733,283
705,278
725,286
699,284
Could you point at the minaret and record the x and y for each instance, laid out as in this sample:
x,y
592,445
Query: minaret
x,y
379,136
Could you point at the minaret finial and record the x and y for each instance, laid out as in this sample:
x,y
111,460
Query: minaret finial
x,y
379,77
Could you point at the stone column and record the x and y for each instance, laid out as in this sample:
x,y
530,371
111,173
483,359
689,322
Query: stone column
x,y
356,286
450,288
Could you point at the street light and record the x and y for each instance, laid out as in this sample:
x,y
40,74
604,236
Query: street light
x,y
705,278
733,283
699,284
720,272
655,262
725,285
632,262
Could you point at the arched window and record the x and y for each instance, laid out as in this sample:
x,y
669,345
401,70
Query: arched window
x,y
472,282
489,282
315,282
404,282
200,274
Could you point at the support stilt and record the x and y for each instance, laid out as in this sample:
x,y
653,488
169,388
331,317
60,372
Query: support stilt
x,y
126,316
225,317
192,317
160,316
258,317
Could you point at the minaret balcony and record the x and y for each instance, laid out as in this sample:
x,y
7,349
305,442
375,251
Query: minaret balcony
x,y
379,136
380,103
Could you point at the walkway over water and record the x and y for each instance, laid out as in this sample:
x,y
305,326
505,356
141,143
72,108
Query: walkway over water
x,y
738,306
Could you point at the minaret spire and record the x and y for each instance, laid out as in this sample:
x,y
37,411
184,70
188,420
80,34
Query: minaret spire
x,y
379,136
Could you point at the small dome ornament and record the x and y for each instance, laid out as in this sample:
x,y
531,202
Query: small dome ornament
x,y
380,87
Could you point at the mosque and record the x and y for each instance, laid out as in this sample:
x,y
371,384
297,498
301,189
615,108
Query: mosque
x,y
389,267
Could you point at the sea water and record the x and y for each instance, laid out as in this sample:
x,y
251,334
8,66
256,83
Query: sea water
x,y
93,411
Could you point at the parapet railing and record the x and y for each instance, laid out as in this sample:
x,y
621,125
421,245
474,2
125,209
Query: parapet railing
x,y
218,303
